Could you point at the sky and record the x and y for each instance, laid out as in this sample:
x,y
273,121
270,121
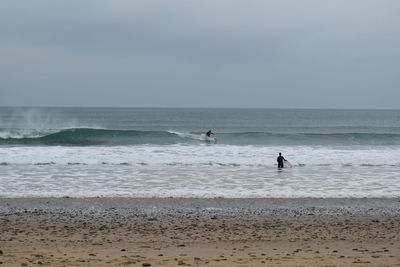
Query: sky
x,y
200,53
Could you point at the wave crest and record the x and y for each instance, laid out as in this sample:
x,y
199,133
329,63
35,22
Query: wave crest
x,y
90,136
93,137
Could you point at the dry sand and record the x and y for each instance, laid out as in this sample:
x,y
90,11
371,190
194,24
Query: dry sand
x,y
199,232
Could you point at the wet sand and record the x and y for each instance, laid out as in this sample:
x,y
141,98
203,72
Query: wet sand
x,y
199,232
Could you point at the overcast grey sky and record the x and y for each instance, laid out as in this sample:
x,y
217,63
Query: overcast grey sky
x,y
203,53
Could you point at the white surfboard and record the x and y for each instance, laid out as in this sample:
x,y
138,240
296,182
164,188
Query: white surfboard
x,y
211,139
287,164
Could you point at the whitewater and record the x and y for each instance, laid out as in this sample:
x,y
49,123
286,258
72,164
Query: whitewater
x,y
90,152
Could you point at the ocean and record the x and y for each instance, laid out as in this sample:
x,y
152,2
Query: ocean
x,y
162,152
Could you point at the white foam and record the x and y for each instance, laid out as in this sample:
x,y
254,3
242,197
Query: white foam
x,y
200,137
200,171
200,154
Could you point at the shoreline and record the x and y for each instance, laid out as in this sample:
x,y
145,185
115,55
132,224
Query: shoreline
x,y
121,206
199,232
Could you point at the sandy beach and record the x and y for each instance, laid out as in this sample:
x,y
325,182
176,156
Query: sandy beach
x,y
199,232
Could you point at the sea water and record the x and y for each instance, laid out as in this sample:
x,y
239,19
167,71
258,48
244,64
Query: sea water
x,y
155,152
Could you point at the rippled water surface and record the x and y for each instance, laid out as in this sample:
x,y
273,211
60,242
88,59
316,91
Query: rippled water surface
x,y
163,152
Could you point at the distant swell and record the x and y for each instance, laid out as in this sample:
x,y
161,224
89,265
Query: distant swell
x,y
110,137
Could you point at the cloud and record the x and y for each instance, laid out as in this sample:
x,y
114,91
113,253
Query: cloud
x,y
172,52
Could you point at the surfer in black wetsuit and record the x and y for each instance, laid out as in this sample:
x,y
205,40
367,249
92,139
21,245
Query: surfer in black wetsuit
x,y
280,159
209,133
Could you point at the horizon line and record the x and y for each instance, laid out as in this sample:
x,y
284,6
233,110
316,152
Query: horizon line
x,y
170,107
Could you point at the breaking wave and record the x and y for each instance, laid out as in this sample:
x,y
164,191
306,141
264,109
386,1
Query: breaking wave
x,y
94,137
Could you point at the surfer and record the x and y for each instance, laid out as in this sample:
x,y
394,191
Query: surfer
x,y
280,159
209,133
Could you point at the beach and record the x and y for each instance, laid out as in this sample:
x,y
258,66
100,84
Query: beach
x,y
199,232
199,133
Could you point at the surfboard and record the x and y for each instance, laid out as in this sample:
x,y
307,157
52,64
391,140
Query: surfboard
x,y
287,164
211,139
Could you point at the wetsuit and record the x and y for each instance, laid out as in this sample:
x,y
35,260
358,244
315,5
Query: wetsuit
x,y
280,160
